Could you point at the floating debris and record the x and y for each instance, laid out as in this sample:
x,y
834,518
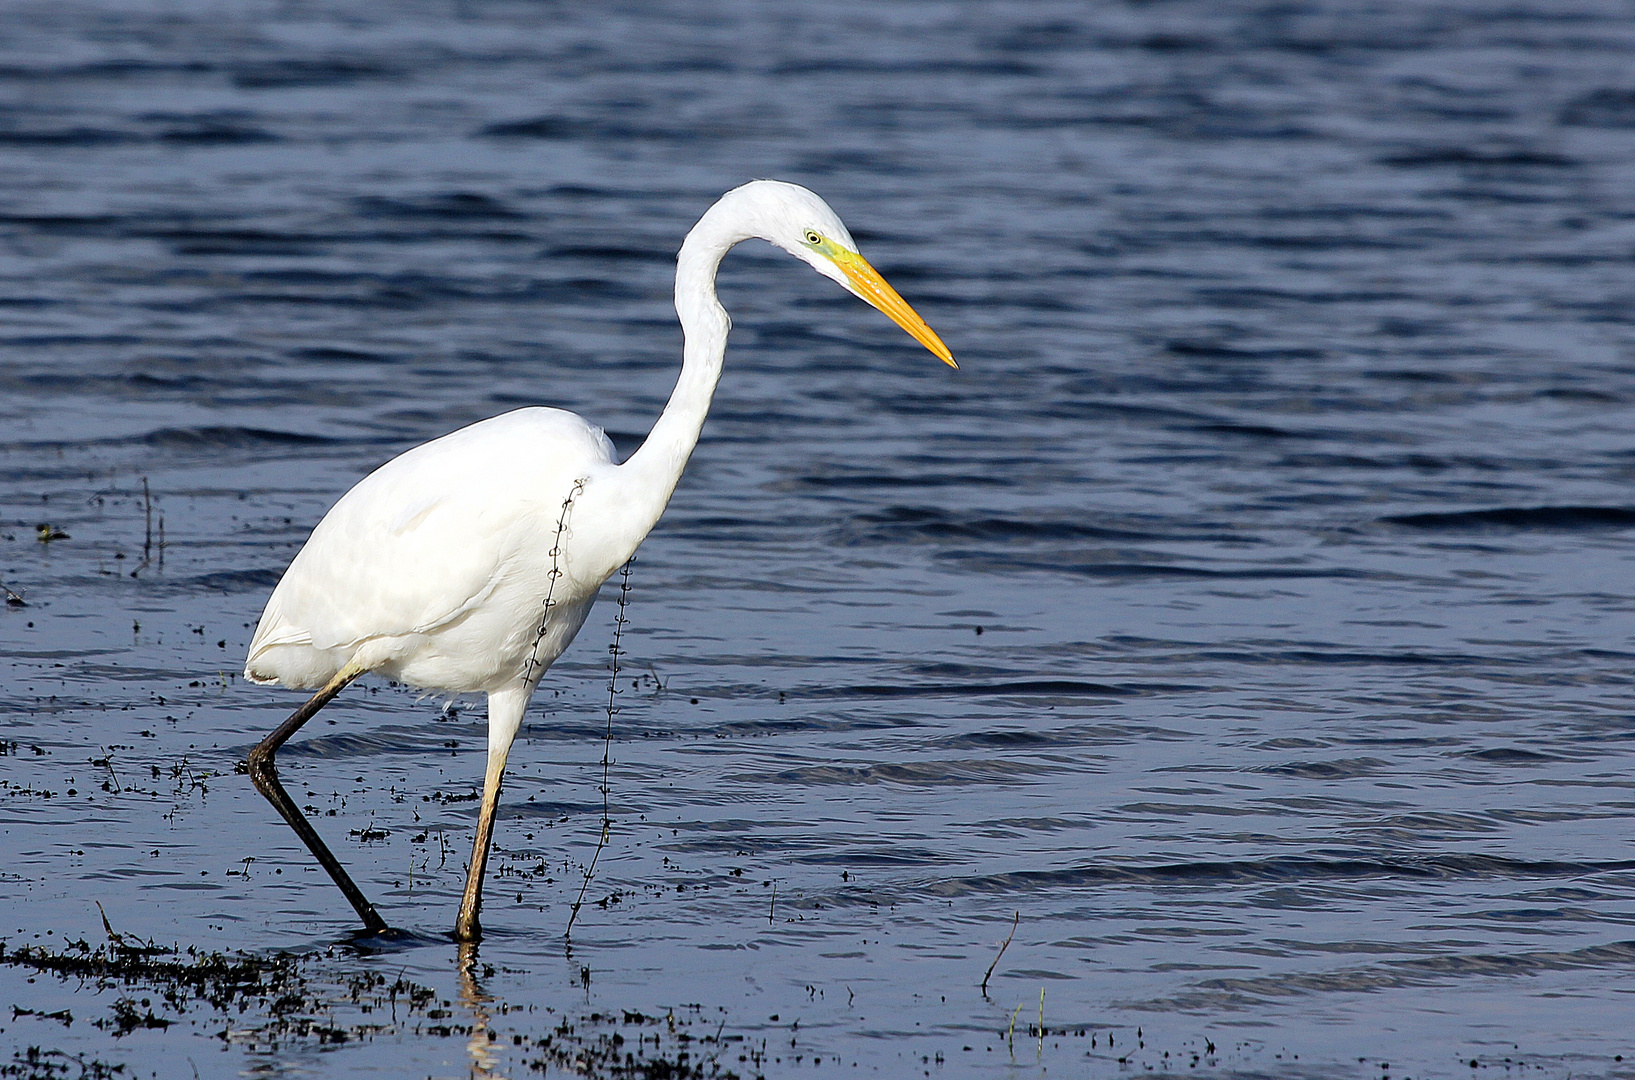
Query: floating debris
x,y
262,1003
38,1064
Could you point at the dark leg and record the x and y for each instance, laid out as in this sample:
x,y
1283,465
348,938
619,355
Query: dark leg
x,y
264,772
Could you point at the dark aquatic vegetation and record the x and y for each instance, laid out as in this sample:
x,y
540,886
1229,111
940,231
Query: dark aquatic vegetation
x,y
1287,480
317,999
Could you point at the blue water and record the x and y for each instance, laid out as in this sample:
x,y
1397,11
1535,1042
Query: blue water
x,y
1251,616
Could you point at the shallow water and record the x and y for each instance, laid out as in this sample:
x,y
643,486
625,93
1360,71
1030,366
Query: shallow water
x,y
1249,617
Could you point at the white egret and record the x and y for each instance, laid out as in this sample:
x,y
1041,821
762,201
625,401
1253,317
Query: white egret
x,y
469,563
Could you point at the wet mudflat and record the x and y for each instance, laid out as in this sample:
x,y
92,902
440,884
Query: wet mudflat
x,y
1249,621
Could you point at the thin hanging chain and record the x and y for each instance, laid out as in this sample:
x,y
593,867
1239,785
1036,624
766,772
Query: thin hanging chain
x,y
556,572
613,692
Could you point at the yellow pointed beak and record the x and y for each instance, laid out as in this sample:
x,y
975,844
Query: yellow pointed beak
x,y
867,283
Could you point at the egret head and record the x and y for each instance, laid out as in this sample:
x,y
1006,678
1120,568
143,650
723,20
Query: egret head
x,y
796,220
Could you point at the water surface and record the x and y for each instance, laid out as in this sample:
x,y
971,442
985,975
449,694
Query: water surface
x,y
1249,618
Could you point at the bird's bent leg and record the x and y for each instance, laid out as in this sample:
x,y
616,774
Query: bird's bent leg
x,y
466,927
264,772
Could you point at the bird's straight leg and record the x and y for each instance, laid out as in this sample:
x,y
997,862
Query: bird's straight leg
x,y
505,709
466,927
264,772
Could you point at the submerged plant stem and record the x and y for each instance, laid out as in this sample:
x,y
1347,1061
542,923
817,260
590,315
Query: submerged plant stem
x,y
613,692
1015,919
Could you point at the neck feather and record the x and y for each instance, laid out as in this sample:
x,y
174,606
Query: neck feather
x,y
655,469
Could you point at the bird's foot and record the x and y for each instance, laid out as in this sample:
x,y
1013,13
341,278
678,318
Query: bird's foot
x,y
386,937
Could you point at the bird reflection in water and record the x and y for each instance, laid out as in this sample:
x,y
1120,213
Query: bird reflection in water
x,y
480,1046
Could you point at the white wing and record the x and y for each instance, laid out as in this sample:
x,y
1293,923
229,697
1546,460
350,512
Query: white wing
x,y
423,539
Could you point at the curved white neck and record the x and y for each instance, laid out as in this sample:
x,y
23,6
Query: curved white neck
x,y
655,469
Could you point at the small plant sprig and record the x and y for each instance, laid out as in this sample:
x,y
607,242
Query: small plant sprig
x,y
553,576
1015,920
614,652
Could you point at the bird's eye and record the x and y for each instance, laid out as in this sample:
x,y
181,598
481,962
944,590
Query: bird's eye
x,y
813,238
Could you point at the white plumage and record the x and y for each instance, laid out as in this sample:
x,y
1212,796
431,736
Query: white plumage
x,y
468,564
433,569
